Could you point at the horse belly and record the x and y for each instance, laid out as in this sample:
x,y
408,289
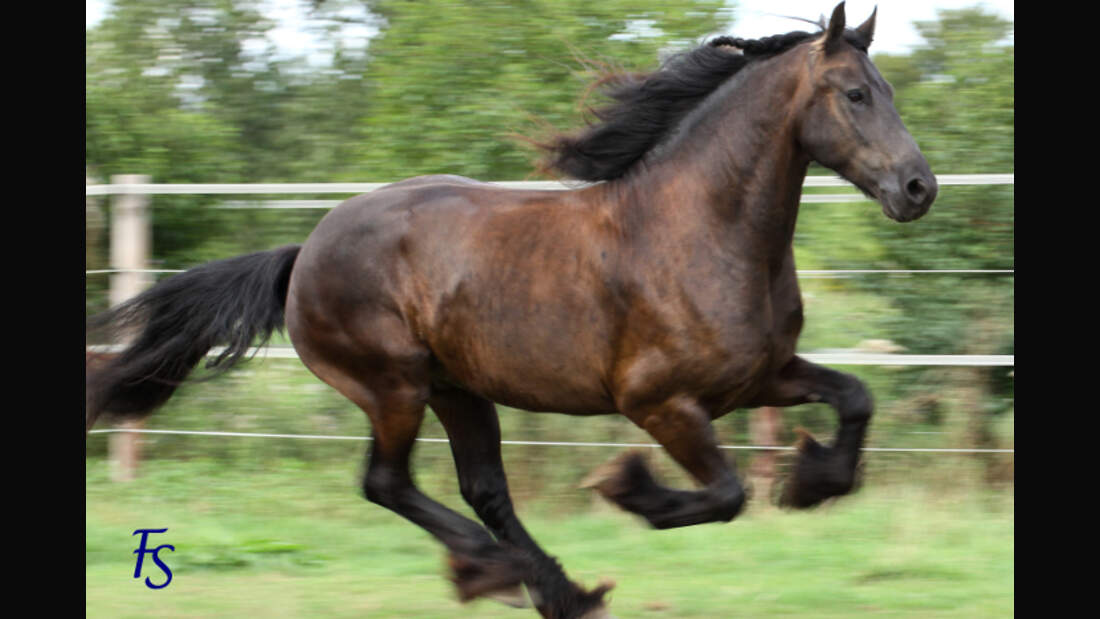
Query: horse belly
x,y
527,373
525,353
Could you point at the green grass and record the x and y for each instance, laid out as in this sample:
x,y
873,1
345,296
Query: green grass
x,y
291,539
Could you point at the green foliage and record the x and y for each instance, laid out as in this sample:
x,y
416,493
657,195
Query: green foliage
x,y
956,94
191,91
451,84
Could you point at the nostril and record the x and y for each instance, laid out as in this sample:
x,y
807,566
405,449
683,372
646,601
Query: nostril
x,y
917,189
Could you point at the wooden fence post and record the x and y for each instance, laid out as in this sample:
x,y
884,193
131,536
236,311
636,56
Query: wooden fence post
x,y
131,239
764,425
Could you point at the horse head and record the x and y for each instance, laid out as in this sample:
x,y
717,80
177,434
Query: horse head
x,y
850,125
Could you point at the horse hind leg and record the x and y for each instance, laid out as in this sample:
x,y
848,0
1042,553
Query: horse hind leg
x,y
479,564
394,402
474,431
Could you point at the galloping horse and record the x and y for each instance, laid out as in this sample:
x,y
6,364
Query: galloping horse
x,y
665,293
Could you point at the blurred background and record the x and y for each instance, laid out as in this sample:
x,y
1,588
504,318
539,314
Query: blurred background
x,y
233,91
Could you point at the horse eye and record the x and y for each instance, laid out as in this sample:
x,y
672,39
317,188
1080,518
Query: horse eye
x,y
855,95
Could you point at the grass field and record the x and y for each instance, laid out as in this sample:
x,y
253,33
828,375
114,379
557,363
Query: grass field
x,y
292,539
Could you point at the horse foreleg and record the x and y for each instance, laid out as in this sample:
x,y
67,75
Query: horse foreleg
x,y
821,472
474,431
684,429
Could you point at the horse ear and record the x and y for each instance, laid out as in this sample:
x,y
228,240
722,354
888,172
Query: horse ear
x,y
835,33
867,28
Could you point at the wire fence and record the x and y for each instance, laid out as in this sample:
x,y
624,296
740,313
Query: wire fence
x,y
836,357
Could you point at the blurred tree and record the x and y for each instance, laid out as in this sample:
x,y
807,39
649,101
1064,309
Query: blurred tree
x,y
956,95
192,91
452,81
149,75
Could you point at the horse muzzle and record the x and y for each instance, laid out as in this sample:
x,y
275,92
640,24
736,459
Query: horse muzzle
x,y
912,195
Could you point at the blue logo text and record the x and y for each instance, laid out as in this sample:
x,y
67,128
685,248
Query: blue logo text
x,y
142,551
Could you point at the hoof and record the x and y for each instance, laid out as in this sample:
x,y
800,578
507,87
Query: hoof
x,y
599,610
572,602
819,474
491,572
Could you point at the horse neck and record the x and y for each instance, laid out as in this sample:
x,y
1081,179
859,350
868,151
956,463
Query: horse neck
x,y
736,166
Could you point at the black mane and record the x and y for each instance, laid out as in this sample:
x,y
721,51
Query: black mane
x,y
647,108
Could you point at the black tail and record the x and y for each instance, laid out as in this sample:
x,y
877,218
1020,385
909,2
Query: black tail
x,y
233,303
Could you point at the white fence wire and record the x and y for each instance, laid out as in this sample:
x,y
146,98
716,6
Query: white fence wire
x,y
828,357
277,188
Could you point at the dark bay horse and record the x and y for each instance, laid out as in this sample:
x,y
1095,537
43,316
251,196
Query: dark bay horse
x,y
666,293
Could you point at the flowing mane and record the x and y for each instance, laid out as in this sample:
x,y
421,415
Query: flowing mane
x,y
646,108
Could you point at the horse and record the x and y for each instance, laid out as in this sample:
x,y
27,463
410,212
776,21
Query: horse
x,y
664,290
